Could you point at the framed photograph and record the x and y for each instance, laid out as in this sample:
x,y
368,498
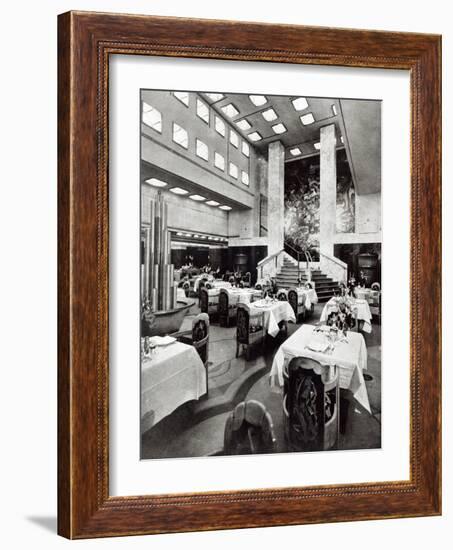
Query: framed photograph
x,y
249,275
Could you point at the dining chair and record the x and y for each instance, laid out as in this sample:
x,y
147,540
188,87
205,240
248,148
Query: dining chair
x,y
250,329
226,310
249,430
311,398
297,302
282,295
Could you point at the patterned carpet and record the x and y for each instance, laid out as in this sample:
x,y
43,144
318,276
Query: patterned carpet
x,y
197,428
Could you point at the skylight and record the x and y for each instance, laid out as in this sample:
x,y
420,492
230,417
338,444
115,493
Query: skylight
x,y
156,183
307,119
300,103
245,149
180,136
279,128
255,136
219,161
183,97
245,178
317,146
203,111
234,140
212,203
220,126
197,198
230,110
215,97
233,170
202,150
269,115
224,207
258,100
179,191
152,117
243,125
295,151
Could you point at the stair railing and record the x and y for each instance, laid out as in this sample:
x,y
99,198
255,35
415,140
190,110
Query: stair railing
x,y
272,258
299,253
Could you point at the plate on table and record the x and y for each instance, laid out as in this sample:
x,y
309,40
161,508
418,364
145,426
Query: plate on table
x,y
318,343
161,340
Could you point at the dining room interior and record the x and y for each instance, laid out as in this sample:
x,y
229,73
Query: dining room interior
x,y
260,270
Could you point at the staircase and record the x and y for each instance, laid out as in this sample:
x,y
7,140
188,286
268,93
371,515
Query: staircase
x,y
324,286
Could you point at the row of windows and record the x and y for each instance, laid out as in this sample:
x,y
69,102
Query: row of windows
x,y
153,118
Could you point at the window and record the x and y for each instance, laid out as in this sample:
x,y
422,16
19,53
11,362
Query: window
x,y
230,110
269,114
307,119
152,117
180,136
245,178
255,136
202,111
202,150
258,100
300,103
219,161
215,97
243,124
245,149
183,97
220,126
234,140
233,170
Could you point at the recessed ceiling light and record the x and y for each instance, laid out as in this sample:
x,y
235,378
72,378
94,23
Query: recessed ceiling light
x,y
243,124
255,136
300,103
179,191
230,110
179,234
307,119
212,203
197,198
317,146
156,183
188,234
215,97
279,128
295,151
269,115
224,207
334,109
258,100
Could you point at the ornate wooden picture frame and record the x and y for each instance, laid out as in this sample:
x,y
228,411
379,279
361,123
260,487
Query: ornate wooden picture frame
x,y
86,40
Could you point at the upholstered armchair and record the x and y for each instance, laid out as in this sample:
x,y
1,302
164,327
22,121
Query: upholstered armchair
x,y
297,302
311,405
250,329
249,430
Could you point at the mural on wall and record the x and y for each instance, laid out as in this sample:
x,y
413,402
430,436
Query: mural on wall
x,y
302,201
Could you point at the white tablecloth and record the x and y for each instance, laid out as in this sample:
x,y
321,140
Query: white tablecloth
x,y
244,295
361,305
350,357
180,295
274,312
173,375
198,280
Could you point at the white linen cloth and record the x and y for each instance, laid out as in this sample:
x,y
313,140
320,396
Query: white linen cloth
x,y
180,295
198,280
360,305
350,357
274,312
245,295
171,376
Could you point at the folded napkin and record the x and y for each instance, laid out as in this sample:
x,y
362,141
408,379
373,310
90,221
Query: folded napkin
x,y
161,340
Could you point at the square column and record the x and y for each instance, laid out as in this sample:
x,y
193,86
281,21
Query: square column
x,y
328,189
275,196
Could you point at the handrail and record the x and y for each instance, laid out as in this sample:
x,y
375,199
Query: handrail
x,y
268,258
334,259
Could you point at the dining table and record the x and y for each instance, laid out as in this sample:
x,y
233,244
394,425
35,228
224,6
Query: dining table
x,y
171,375
275,311
360,307
348,353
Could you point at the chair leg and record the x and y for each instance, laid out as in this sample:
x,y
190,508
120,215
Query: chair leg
x,y
247,352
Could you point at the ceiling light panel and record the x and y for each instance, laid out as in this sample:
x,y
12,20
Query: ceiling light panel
x,y
307,119
279,128
300,103
156,183
179,191
258,100
198,198
230,110
295,151
269,115
255,136
243,125
215,97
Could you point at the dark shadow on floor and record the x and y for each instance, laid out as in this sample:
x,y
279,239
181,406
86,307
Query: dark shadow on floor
x,y
48,523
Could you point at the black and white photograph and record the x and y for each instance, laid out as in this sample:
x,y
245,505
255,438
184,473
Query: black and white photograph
x,y
260,265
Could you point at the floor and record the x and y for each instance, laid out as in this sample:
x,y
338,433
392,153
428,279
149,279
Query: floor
x,y
197,428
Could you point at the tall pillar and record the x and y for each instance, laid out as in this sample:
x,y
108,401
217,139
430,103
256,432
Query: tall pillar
x,y
328,189
275,196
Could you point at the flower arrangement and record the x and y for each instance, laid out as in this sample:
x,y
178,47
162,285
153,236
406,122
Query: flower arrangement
x,y
148,319
342,317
